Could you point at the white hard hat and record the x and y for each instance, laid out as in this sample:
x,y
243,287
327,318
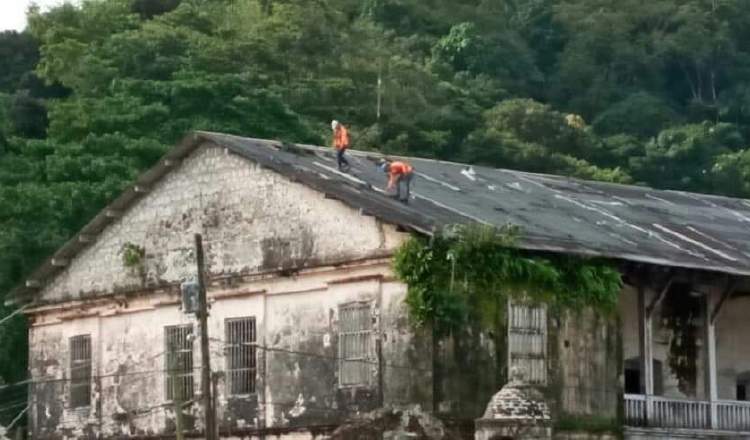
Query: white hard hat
x,y
334,124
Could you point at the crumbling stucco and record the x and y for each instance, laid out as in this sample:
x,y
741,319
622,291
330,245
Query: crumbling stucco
x,y
287,256
297,364
584,356
251,219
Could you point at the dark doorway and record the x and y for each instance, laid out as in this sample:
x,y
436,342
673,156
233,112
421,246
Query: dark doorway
x,y
634,381
743,383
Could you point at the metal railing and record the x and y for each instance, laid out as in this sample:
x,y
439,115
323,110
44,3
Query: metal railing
x,y
661,412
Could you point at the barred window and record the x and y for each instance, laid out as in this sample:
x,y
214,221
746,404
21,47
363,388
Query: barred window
x,y
179,362
355,332
527,341
240,343
80,371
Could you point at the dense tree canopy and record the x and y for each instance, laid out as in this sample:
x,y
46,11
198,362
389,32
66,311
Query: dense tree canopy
x,y
654,93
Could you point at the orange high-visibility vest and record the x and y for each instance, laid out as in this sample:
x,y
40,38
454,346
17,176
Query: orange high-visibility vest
x,y
400,168
341,138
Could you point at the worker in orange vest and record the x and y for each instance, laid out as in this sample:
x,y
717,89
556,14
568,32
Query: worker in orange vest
x,y
340,143
399,173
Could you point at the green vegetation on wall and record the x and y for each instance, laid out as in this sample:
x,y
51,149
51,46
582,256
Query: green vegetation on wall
x,y
474,270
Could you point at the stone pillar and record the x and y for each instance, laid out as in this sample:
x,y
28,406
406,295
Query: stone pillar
x,y
518,412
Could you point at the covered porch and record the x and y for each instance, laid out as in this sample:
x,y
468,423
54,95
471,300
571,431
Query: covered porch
x,y
686,351
660,412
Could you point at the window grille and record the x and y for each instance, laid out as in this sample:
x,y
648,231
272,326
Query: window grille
x,y
240,343
179,362
80,371
355,332
527,341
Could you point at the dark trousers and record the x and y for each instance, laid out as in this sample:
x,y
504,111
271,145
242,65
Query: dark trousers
x,y
405,180
341,159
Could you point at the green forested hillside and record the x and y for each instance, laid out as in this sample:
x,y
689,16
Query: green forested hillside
x,y
649,92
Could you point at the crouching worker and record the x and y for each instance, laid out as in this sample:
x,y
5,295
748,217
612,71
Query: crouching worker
x,y
399,174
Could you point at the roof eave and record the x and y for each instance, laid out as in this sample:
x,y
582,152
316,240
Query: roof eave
x,y
111,213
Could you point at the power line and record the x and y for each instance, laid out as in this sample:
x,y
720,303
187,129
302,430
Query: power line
x,y
17,418
260,347
16,405
15,312
10,385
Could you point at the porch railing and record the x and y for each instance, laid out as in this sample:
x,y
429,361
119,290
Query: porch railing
x,y
660,412
733,416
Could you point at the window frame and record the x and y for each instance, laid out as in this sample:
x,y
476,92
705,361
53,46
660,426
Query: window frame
x,y
80,361
185,373
247,340
350,335
527,340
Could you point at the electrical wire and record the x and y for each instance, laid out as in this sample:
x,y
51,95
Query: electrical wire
x,y
17,418
260,347
14,313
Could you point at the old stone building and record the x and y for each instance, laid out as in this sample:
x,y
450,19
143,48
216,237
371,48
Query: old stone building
x,y
307,322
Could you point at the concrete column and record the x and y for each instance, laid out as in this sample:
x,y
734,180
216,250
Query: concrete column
x,y
710,344
647,356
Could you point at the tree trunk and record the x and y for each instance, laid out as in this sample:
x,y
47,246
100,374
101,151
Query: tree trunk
x,y
690,81
699,78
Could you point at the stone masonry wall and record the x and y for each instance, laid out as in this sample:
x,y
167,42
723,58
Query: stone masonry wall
x,y
585,363
293,257
297,321
251,219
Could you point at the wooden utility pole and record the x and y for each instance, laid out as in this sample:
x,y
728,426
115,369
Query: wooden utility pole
x,y
208,410
176,398
215,391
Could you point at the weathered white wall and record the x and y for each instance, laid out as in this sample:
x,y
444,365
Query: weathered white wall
x,y
128,362
50,396
250,218
408,379
254,222
585,363
297,324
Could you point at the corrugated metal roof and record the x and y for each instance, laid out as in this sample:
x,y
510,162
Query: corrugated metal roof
x,y
556,214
